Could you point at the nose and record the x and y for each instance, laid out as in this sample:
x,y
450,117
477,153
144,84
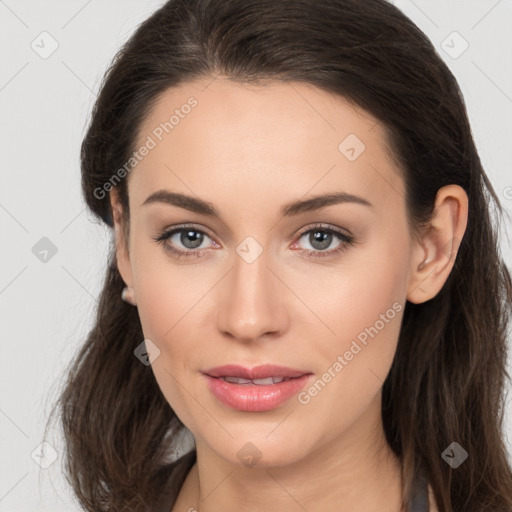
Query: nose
x,y
251,301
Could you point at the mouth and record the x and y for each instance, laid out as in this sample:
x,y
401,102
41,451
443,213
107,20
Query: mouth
x,y
259,382
261,388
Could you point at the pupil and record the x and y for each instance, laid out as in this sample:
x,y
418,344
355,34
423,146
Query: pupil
x,y
324,239
191,237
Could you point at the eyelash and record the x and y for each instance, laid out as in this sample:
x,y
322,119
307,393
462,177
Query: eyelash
x,y
162,237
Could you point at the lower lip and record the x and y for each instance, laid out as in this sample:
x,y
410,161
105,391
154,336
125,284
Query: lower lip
x,y
251,397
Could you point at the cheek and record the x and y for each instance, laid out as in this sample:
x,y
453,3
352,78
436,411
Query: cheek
x,y
172,301
362,294
168,292
365,313
170,310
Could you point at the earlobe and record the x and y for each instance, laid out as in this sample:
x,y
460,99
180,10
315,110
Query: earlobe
x,y
128,295
434,255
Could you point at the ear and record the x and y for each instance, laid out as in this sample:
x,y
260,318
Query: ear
x,y
121,240
434,253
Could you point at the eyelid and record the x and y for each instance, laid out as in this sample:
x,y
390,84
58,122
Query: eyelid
x,y
168,231
326,227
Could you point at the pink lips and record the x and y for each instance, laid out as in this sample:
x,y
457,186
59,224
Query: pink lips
x,y
255,397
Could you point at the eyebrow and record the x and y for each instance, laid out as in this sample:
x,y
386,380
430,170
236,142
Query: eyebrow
x,y
202,207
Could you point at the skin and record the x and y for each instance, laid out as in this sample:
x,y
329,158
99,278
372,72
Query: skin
x,y
249,150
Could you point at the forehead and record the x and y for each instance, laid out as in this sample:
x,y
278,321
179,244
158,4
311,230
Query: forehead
x,y
287,138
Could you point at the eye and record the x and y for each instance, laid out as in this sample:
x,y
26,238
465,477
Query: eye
x,y
190,237
321,237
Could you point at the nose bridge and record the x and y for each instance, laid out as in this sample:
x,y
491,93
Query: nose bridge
x,y
251,303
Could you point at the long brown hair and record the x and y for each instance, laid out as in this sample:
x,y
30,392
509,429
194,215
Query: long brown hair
x,y
446,383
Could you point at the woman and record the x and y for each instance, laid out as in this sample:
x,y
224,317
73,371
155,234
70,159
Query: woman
x,y
305,276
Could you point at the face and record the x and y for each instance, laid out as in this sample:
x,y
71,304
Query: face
x,y
320,290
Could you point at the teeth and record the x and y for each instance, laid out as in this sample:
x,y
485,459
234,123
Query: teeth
x,y
264,382
236,380
259,382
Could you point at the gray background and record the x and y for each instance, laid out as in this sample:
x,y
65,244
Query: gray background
x,y
45,103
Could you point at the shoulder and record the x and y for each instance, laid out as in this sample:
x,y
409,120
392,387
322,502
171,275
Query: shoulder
x,y
174,475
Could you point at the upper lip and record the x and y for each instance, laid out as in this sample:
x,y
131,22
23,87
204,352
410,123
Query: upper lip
x,y
257,372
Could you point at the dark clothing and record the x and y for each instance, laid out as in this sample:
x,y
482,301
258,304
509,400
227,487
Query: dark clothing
x,y
178,471
180,468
